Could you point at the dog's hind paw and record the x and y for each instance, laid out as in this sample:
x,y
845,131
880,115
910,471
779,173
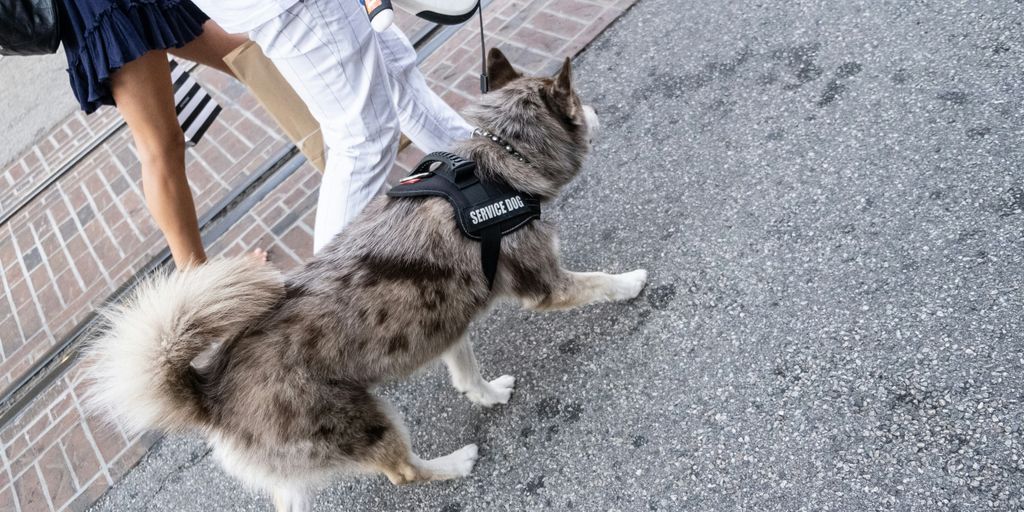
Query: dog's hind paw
x,y
497,391
464,459
630,284
457,464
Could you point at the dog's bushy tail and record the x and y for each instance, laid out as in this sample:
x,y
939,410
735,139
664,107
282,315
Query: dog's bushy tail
x,y
139,367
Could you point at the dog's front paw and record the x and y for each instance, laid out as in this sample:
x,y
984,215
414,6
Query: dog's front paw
x,y
497,391
630,284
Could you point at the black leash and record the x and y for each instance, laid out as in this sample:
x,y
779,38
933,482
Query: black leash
x,y
485,81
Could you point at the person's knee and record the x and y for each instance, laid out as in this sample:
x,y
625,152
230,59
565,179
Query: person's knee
x,y
162,153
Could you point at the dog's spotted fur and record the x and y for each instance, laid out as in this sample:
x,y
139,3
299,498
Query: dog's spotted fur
x,y
287,400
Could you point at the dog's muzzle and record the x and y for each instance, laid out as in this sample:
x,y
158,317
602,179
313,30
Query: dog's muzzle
x,y
593,123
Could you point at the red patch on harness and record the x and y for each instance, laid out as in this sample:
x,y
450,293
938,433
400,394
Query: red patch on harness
x,y
415,178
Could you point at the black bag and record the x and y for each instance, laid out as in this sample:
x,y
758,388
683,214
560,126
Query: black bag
x,y
29,27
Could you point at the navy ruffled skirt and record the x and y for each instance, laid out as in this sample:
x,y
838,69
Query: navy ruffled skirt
x,y
100,36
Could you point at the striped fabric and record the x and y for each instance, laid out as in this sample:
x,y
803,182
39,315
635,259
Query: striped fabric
x,y
195,107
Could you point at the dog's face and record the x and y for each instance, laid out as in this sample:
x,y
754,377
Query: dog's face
x,y
543,117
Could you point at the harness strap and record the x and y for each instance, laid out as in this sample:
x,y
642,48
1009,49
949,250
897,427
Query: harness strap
x,y
490,251
484,210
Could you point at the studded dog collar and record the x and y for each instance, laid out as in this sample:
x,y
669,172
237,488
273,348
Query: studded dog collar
x,y
481,132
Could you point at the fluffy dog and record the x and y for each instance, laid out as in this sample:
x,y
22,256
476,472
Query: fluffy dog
x,y
287,400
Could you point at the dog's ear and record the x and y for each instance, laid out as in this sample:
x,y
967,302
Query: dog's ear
x,y
561,89
563,80
499,70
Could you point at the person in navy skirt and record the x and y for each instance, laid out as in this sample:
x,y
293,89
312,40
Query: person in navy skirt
x,y
117,55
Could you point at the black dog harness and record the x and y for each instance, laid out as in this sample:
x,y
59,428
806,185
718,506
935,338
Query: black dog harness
x,y
484,210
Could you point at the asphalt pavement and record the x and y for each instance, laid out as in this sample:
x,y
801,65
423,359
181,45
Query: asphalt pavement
x,y
829,197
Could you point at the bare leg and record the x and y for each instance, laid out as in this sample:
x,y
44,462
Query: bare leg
x,y
210,48
581,288
292,500
142,90
467,379
143,93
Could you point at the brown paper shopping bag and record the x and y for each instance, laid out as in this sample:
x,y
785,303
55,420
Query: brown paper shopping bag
x,y
265,82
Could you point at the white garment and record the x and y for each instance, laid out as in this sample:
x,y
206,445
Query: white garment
x,y
365,89
241,16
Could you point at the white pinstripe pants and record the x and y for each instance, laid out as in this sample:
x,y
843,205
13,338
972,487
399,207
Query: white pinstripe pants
x,y
364,89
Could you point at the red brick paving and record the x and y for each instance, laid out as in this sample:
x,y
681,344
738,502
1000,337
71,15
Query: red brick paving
x,y
90,232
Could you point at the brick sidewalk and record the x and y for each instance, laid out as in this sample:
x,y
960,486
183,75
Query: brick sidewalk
x,y
55,457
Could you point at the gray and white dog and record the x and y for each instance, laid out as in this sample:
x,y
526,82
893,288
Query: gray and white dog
x,y
287,401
